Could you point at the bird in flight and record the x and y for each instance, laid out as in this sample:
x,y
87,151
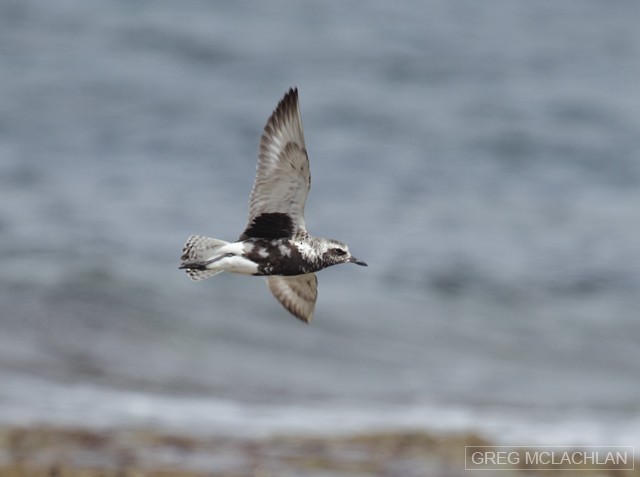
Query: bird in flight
x,y
275,242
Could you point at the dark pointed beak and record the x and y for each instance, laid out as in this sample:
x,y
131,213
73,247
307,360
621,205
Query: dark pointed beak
x,y
357,261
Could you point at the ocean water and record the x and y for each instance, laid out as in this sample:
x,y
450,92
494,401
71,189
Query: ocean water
x,y
482,157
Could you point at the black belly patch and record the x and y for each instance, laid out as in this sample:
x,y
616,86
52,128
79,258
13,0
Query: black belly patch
x,y
269,225
277,257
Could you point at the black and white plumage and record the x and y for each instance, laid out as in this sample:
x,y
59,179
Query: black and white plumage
x,y
275,242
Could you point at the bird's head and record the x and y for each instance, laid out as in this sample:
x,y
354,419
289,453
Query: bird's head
x,y
338,252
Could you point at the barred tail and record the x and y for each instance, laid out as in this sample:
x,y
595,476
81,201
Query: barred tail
x,y
196,254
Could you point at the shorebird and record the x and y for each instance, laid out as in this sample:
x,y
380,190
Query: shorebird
x,y
275,242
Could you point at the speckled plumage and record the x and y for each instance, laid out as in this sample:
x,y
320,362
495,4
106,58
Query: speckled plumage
x,y
275,242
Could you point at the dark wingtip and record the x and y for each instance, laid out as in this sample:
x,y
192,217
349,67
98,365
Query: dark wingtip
x,y
286,105
289,99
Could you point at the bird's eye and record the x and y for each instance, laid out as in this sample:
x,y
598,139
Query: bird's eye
x,y
340,252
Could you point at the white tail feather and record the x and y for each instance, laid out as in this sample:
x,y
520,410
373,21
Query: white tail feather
x,y
197,275
196,253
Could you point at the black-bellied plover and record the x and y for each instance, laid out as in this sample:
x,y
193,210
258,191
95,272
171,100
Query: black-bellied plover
x,y
275,243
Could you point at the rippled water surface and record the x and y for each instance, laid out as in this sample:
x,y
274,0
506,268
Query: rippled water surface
x,y
482,157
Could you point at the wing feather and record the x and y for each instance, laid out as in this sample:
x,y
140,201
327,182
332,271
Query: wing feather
x,y
282,179
296,293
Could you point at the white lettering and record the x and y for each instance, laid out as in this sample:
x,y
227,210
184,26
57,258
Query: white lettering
x,y
622,458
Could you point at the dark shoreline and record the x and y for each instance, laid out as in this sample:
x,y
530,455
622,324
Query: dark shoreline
x,y
78,452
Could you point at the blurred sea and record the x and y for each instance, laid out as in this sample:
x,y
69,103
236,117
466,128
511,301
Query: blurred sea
x,y
482,157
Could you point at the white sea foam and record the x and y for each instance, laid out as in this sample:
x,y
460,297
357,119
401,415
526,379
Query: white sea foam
x,y
97,407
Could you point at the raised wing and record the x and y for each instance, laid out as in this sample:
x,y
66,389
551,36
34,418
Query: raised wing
x,y
276,205
296,293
